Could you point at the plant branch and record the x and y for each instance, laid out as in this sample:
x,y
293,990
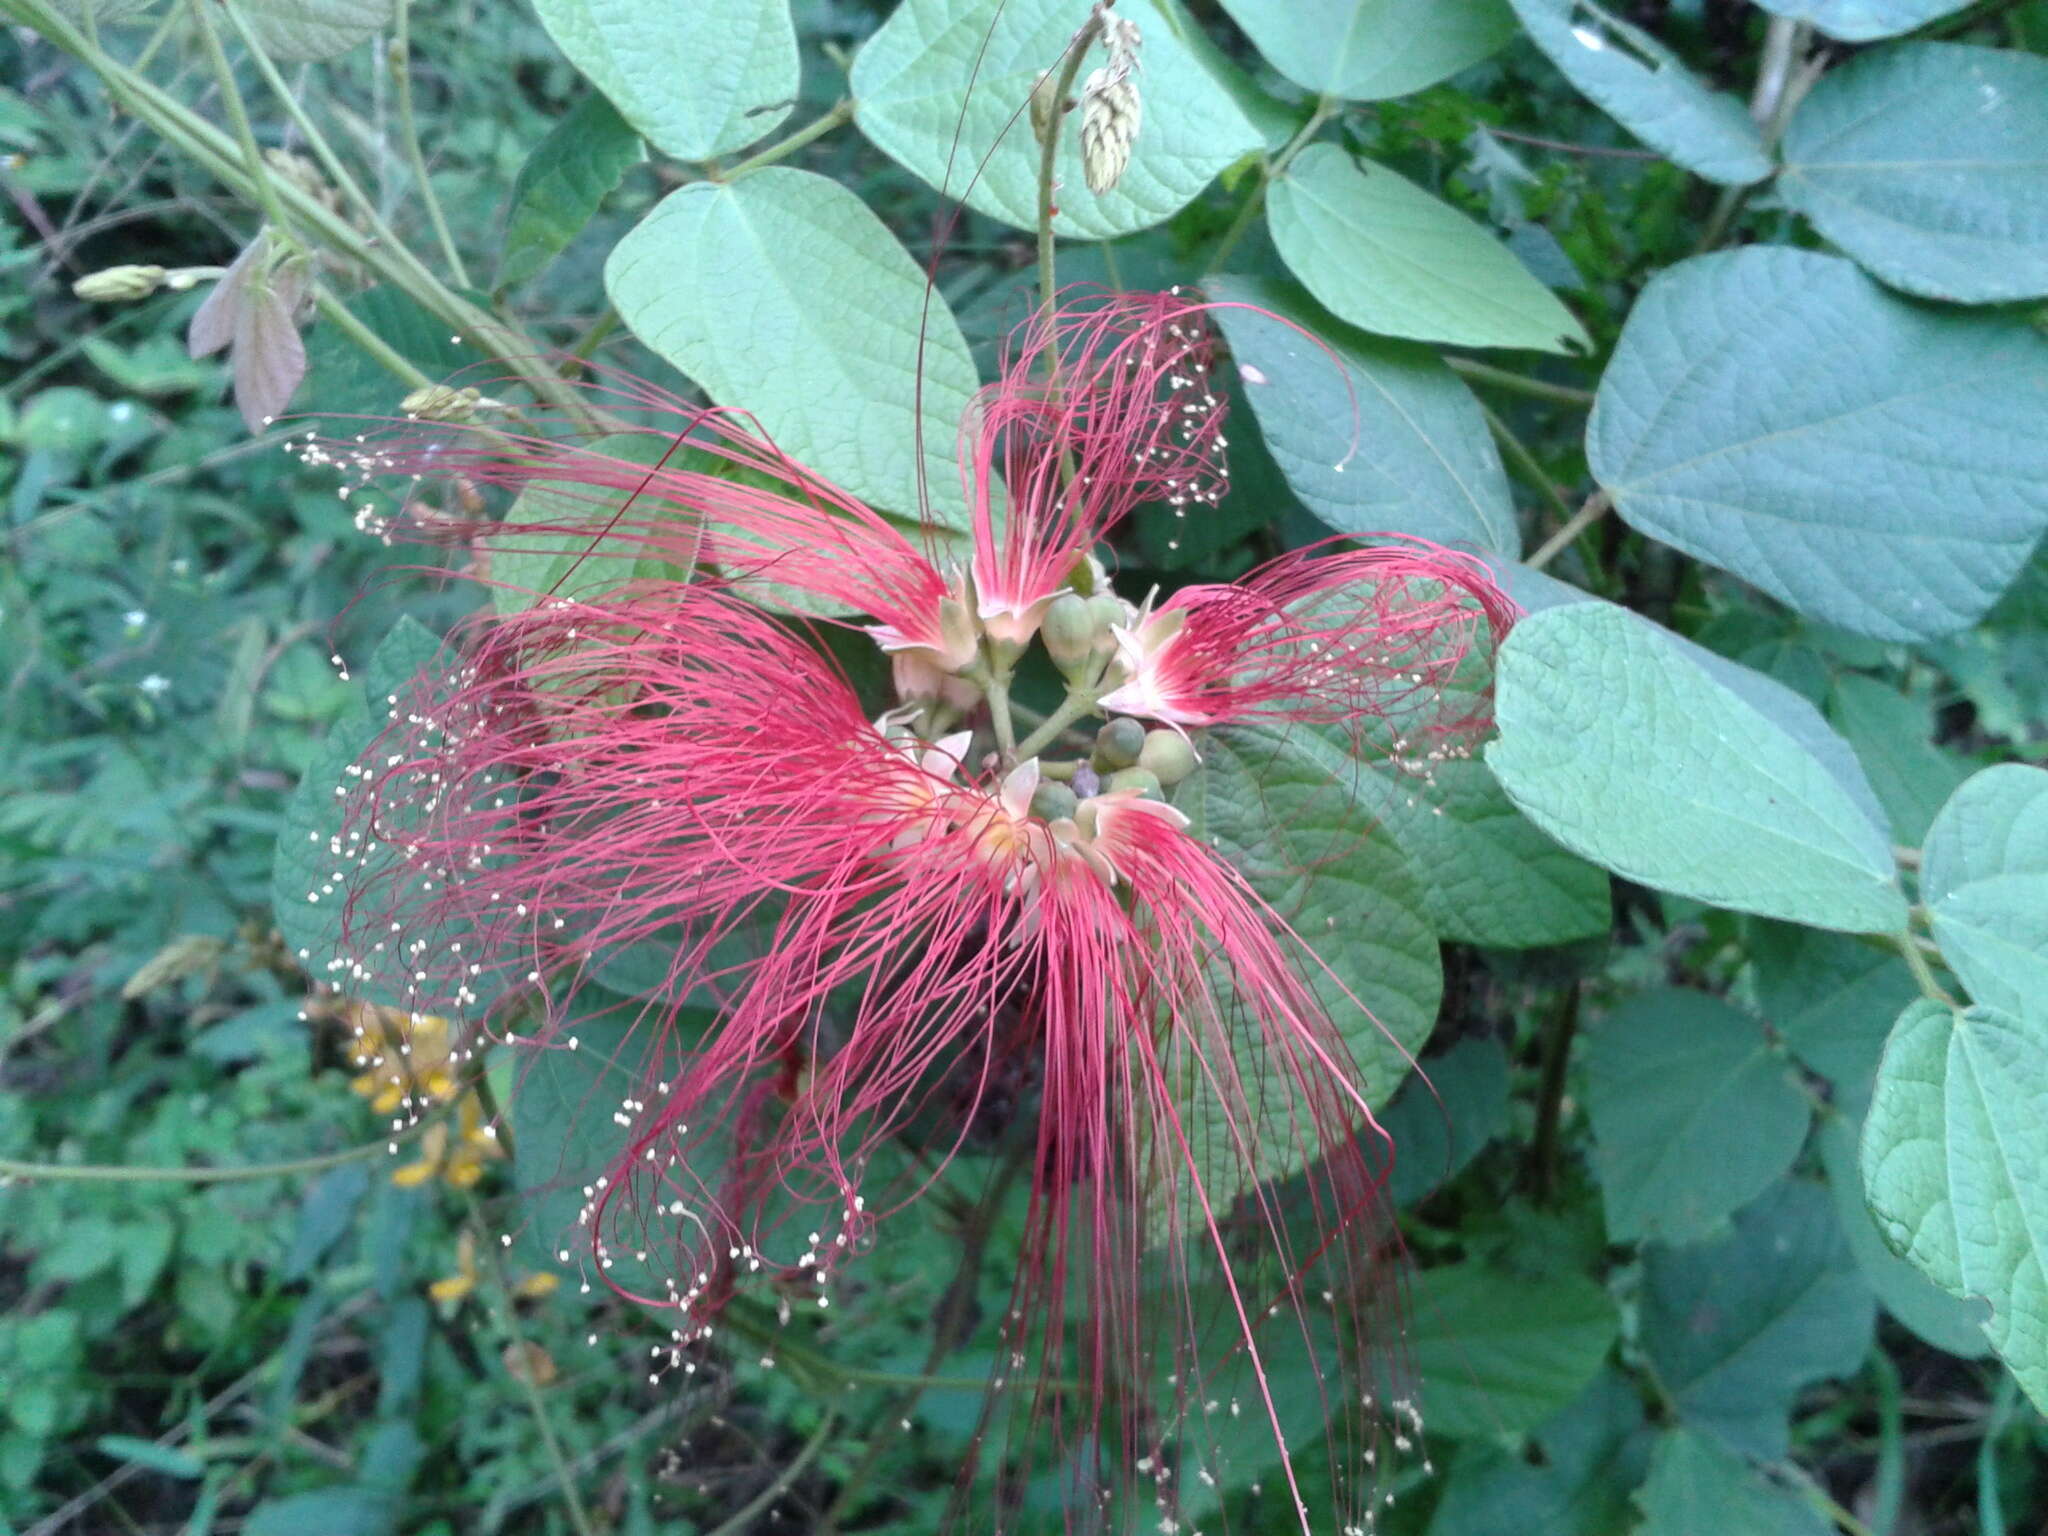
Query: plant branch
x,y
1595,507
842,112
400,59
1923,972
1524,461
1271,171
743,1518
1077,703
1518,383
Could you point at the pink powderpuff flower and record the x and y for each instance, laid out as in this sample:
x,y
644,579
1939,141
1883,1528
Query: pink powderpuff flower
x,y
885,917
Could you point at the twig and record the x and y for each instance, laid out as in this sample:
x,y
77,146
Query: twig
x,y
1519,383
1596,507
1270,171
1523,460
1048,155
782,149
401,75
743,1518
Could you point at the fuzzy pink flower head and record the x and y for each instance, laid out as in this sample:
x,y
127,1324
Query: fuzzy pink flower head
x,y
1315,637
1106,403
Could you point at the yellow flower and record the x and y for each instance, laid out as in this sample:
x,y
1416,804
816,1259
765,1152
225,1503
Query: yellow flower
x,y
458,1285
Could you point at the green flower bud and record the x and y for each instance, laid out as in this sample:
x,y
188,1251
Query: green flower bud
x,y
119,285
1168,755
1068,631
437,402
1106,608
1051,801
1118,744
1143,780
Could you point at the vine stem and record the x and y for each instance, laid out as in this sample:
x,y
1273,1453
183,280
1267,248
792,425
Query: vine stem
x,y
1270,171
842,112
1923,972
1518,383
143,1173
1596,506
400,60
217,154
1523,460
743,1518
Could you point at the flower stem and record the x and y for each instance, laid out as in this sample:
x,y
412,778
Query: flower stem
x,y
1048,155
842,112
1078,702
1596,506
400,60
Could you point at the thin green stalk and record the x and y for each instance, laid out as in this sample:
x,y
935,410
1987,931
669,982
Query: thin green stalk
x,y
344,319
1076,704
316,141
508,1319
1923,973
1889,1485
408,131
1596,506
216,153
1048,157
782,149
238,117
1524,461
997,686
1270,171
1990,1499
143,1173
1519,383
743,1518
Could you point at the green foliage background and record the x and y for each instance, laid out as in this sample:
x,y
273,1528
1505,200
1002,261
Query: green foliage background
x,y
1715,326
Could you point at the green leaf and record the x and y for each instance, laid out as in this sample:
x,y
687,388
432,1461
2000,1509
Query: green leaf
x,y
1379,438
1646,88
1499,1353
563,181
784,295
1271,808
1698,1487
696,80
1444,1116
1945,1321
343,1511
1955,1166
1928,163
1665,765
1859,21
1894,739
1831,999
344,380
531,566
1694,1115
943,84
1386,256
1591,1455
1736,1327
309,880
166,1459
1877,464
1368,50
1985,879
297,31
